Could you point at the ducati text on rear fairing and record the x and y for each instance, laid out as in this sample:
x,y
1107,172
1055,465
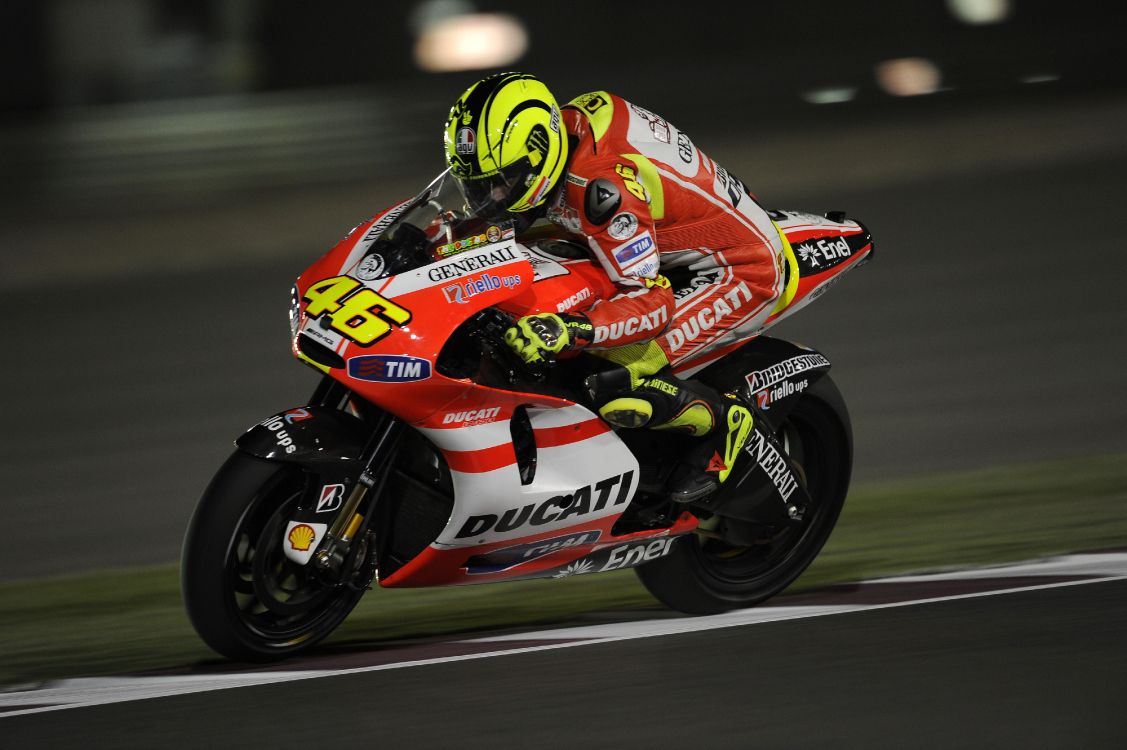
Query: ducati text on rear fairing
x,y
429,456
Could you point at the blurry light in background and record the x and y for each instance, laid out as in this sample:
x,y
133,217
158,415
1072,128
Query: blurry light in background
x,y
1040,78
830,95
979,12
908,76
452,36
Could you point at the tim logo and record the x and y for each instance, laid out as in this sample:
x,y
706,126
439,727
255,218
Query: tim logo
x,y
634,249
332,496
510,557
388,368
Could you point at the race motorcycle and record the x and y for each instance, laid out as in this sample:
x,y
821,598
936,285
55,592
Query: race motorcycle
x,y
429,455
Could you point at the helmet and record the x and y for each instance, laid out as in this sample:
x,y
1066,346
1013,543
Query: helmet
x,y
505,145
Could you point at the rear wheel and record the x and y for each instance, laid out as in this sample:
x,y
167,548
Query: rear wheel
x,y
705,575
244,597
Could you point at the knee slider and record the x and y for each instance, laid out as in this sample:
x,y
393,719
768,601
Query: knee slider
x,y
627,412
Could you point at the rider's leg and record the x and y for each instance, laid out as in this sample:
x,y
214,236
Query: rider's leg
x,y
643,392
718,306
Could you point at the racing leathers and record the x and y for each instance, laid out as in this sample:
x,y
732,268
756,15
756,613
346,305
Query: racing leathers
x,y
654,208
652,205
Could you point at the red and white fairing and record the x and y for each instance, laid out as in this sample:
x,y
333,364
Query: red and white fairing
x,y
560,523
585,475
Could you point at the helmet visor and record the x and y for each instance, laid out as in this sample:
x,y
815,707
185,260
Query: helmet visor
x,y
489,196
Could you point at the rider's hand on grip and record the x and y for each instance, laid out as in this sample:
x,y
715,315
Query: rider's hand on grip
x,y
537,339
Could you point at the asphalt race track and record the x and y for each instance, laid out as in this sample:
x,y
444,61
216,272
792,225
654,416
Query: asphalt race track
x,y
988,329
1039,665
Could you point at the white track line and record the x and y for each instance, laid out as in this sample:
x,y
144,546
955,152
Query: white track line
x,y
1094,564
95,691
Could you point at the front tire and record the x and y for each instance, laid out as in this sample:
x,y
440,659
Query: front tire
x,y
707,575
246,600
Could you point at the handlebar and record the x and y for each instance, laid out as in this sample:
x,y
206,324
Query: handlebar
x,y
491,326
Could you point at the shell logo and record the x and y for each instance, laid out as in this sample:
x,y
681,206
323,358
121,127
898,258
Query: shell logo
x,y
301,536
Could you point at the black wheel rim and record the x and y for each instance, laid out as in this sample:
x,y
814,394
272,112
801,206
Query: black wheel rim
x,y
279,602
805,436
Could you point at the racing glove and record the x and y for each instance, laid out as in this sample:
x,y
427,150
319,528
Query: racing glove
x,y
536,336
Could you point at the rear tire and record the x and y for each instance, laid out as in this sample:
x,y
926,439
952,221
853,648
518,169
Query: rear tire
x,y
705,575
246,600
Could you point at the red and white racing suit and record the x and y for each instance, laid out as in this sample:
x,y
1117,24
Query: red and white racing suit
x,y
649,201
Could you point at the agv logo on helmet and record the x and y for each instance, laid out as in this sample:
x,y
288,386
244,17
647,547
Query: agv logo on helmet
x,y
466,142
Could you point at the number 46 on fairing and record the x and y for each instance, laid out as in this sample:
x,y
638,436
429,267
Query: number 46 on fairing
x,y
354,311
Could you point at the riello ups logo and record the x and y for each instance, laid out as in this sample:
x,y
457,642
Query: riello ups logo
x,y
589,499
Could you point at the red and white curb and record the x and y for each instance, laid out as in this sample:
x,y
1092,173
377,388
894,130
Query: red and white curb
x,y
1070,570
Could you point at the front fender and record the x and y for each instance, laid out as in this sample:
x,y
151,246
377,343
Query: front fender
x,y
308,435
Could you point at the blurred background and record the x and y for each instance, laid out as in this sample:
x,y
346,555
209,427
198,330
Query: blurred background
x,y
170,165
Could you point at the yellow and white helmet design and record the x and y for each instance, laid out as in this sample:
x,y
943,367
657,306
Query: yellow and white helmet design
x,y
505,144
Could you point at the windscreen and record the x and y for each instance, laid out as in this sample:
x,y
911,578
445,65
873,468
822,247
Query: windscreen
x,y
435,225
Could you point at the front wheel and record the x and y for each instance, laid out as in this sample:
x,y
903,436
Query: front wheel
x,y
244,597
704,574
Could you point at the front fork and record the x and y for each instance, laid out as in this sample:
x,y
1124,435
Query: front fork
x,y
338,551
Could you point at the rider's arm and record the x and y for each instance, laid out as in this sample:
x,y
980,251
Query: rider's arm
x,y
615,213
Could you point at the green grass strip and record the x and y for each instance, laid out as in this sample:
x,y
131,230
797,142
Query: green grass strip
x,y
127,620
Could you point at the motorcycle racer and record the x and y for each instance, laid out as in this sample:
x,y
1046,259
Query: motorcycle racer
x,y
653,209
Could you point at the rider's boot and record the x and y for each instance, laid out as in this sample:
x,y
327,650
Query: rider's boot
x,y
709,463
643,392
